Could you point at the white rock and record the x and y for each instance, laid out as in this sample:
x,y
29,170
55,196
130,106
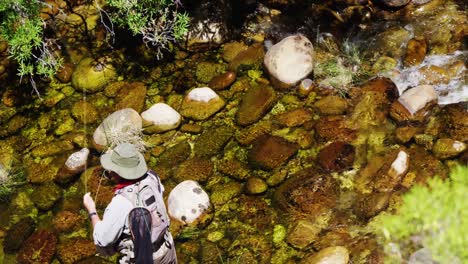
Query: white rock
x,y
291,59
120,125
203,94
458,146
416,98
400,164
77,159
162,116
187,201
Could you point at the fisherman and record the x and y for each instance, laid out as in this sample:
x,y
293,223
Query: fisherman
x,y
135,223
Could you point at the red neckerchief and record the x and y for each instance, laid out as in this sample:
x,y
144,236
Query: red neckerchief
x,y
124,184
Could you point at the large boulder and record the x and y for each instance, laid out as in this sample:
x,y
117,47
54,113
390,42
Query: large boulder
x,y
160,118
92,75
290,60
187,202
123,125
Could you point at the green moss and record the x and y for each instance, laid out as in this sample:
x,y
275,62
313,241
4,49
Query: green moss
x,y
436,214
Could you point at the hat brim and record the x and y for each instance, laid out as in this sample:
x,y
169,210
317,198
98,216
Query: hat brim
x,y
126,173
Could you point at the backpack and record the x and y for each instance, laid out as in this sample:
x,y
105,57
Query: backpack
x,y
148,220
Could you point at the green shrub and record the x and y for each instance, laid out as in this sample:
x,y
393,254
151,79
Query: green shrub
x,y
434,217
158,21
22,28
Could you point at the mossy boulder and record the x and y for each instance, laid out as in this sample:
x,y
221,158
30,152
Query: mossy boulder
x,y
331,105
68,221
175,155
92,75
21,206
14,125
17,234
52,148
43,171
233,168
38,248
131,95
82,249
256,102
446,148
293,118
223,192
247,135
252,57
84,112
45,196
269,152
212,141
196,169
207,70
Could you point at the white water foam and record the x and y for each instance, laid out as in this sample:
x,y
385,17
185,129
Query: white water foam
x,y
453,92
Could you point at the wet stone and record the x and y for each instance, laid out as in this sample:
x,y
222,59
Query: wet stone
x,y
251,57
415,52
38,248
222,193
336,157
368,206
17,234
331,105
175,155
269,152
65,73
232,49
84,112
191,128
67,221
256,102
406,133
196,169
233,168
131,96
303,234
334,128
247,135
82,249
293,118
329,255
222,81
256,185
446,148
212,141
457,121
434,75
52,148
45,196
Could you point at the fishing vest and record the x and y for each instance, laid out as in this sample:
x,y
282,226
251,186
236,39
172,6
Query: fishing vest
x,y
147,194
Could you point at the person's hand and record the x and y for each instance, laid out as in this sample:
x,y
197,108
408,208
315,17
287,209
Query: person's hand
x,y
89,203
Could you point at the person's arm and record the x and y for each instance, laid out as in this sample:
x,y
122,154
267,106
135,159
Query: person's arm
x,y
91,208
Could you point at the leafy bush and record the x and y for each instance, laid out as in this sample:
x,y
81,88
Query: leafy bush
x,y
433,217
156,20
22,28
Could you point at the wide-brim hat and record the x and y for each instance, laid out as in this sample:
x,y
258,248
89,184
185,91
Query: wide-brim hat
x,y
126,161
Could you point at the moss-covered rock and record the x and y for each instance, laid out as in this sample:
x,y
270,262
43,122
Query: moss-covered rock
x,y
45,196
256,102
21,206
131,95
247,135
252,57
201,103
38,248
92,180
331,105
415,52
91,75
52,148
212,141
175,155
82,249
293,118
84,112
6,113
222,193
232,49
68,221
14,125
196,169
369,205
446,148
17,234
256,185
43,171
233,168
389,42
456,121
207,70
303,233
269,152
337,156
335,128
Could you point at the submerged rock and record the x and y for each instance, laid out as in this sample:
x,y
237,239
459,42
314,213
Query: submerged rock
x,y
38,248
290,60
415,52
222,81
414,104
212,141
82,249
195,169
329,255
269,152
446,148
256,102
17,234
256,185
293,118
132,95
337,156
45,196
92,75
84,112
303,233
